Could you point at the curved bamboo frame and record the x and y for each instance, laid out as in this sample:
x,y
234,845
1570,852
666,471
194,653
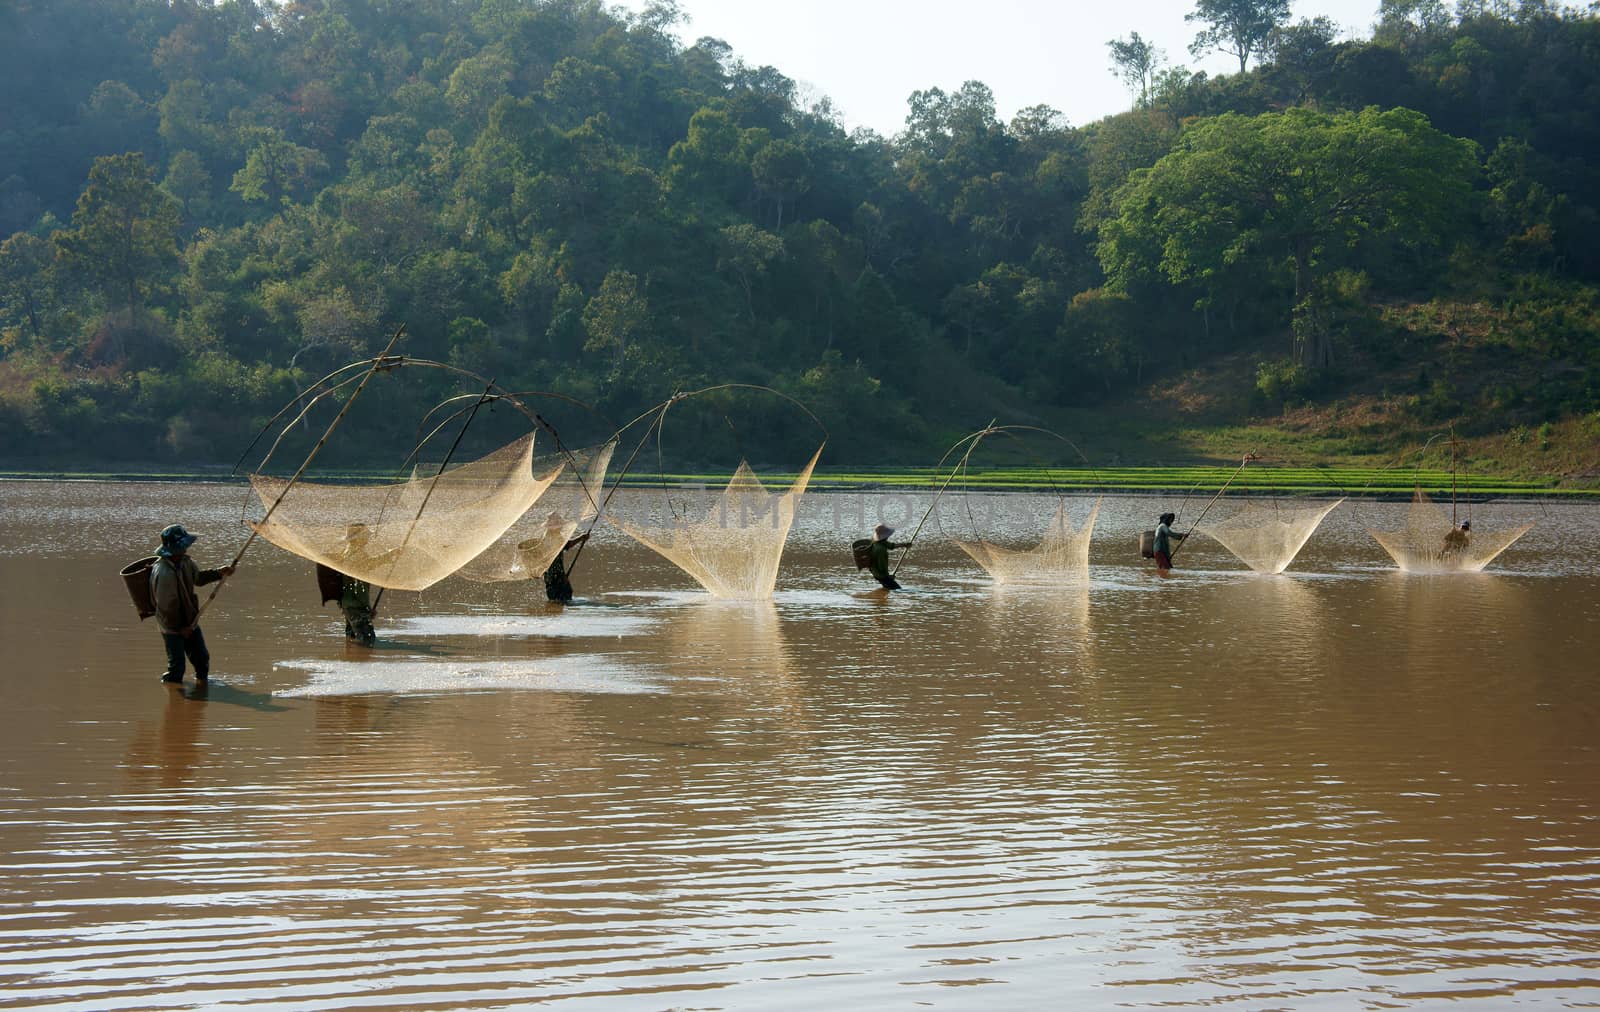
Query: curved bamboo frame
x,y
972,440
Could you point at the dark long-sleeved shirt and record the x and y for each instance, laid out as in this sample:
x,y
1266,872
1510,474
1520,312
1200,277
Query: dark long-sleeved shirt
x,y
1164,537
879,556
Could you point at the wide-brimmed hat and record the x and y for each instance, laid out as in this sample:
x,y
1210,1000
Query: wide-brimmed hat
x,y
174,538
882,532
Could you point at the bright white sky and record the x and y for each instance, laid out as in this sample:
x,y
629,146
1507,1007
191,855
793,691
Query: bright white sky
x,y
870,55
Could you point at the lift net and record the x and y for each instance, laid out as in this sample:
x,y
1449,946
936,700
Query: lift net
x,y
1268,538
734,550
404,535
1431,543
526,550
1062,556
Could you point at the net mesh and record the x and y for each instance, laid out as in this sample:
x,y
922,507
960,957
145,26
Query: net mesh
x,y
404,535
734,550
1268,538
1061,556
1431,542
526,550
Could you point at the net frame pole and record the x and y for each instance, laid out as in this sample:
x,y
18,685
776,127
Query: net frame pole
x,y
482,399
1248,458
975,437
377,365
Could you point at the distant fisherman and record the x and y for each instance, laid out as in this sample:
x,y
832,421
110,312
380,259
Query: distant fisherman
x,y
172,582
1163,542
878,555
354,595
1456,541
557,585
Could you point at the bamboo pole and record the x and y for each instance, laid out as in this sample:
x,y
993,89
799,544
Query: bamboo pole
x,y
1248,457
976,438
377,364
482,399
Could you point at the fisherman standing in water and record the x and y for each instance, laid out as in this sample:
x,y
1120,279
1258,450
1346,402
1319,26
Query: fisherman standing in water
x,y
878,556
1455,542
557,585
1163,541
172,582
354,596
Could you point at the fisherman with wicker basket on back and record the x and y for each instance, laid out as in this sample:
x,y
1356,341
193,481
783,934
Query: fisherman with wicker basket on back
x,y
874,555
1165,535
173,578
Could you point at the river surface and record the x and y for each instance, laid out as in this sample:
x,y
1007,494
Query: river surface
x,y
1344,787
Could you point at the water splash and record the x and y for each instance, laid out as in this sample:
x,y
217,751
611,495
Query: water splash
x,y
734,550
1431,542
1062,556
1268,539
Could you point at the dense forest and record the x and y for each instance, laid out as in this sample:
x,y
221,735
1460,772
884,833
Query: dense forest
x,y
208,205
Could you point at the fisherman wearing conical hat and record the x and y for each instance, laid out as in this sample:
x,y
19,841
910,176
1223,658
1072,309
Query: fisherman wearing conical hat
x,y
173,579
878,556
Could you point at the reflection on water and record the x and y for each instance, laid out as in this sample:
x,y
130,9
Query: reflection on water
x,y
1344,787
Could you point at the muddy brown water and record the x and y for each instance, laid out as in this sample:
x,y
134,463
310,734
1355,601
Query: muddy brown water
x,y
1343,787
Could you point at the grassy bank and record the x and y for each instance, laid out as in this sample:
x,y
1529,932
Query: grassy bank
x,y
1390,482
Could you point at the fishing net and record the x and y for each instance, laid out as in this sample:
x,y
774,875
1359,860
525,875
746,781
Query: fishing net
x,y
734,550
1062,555
1268,538
526,550
404,535
1432,543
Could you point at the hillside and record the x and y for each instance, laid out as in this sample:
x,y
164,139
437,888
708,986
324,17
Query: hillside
x,y
1341,252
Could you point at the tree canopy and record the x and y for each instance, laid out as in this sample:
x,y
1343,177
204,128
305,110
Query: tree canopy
x,y
206,204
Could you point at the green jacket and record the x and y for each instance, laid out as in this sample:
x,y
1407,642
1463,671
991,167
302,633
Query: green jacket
x,y
879,555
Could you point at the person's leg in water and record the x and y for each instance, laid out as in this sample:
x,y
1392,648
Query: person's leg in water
x,y
191,647
358,625
173,644
557,587
199,656
1163,562
357,607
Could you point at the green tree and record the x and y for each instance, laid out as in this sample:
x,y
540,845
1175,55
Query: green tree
x,y
276,170
24,287
781,171
745,251
616,316
190,185
124,231
1303,54
1239,28
1297,188
1408,21
1135,61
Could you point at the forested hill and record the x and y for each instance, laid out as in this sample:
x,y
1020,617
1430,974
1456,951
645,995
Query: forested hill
x,y
209,205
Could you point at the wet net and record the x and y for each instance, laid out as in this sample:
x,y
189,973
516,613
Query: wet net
x,y
734,550
404,535
1268,538
1061,557
1432,543
526,550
